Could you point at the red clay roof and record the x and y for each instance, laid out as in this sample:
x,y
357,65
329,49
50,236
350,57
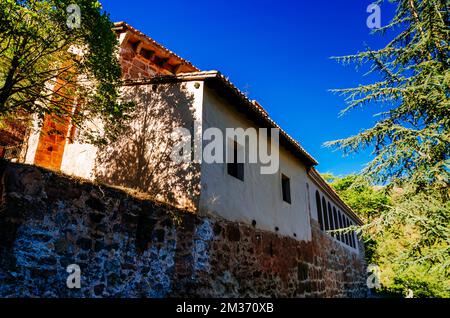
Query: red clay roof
x,y
123,26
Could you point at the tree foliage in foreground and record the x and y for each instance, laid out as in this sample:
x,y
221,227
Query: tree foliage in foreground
x,y
390,247
410,141
47,67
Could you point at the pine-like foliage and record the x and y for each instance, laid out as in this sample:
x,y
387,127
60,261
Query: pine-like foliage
x,y
411,139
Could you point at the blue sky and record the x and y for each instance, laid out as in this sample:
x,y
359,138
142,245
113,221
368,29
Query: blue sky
x,y
279,53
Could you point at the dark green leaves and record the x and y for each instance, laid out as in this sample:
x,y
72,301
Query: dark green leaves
x,y
410,142
47,67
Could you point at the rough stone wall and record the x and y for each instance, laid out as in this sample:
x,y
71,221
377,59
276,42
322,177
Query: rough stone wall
x,y
128,247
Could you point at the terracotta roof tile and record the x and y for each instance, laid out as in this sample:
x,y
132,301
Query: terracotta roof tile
x,y
118,26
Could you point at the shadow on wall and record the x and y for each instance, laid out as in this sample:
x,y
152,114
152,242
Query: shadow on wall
x,y
140,157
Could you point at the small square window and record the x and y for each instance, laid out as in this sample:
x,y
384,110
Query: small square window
x,y
235,168
286,188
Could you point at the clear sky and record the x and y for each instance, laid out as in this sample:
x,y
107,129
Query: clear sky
x,y
279,53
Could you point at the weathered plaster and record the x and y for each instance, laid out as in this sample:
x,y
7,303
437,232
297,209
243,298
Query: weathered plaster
x,y
259,196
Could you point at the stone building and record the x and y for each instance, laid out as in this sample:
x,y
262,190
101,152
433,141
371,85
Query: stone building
x,y
170,92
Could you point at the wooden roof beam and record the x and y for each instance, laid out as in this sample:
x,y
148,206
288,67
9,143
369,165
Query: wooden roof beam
x,y
147,54
159,61
136,46
176,68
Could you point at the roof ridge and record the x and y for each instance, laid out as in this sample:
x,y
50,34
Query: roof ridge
x,y
217,74
264,112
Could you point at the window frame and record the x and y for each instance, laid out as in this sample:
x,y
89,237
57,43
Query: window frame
x,y
236,169
319,210
330,218
340,218
286,189
325,213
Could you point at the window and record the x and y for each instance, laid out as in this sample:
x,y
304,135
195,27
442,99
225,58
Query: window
x,y
347,234
286,188
335,218
341,235
319,210
330,218
235,168
352,236
325,214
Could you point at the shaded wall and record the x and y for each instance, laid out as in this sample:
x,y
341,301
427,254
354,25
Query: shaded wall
x,y
127,247
140,158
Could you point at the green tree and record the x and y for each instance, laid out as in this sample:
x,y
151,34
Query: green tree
x,y
370,202
49,62
411,140
390,246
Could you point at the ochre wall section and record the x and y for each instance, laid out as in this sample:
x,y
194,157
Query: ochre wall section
x,y
52,140
53,135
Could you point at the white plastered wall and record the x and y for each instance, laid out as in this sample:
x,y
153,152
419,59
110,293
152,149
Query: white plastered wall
x,y
80,159
259,196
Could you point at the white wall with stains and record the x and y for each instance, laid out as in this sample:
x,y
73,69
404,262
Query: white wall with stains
x,y
259,196
79,160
